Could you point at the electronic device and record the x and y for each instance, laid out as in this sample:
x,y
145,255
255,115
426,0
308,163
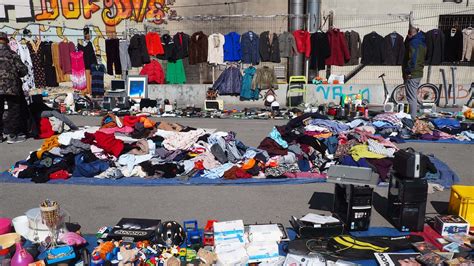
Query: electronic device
x,y
343,174
109,103
450,224
410,164
117,85
389,108
407,203
213,105
353,206
133,229
309,230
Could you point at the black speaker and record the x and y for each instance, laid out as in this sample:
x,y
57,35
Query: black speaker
x,y
145,102
109,103
123,102
407,203
353,206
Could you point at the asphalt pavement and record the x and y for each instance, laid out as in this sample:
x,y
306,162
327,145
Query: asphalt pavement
x,y
96,206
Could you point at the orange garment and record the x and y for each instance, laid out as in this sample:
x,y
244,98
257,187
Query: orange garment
x,y
48,144
88,89
153,44
249,164
323,135
61,76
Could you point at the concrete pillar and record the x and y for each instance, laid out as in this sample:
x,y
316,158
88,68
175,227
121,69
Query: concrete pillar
x,y
296,23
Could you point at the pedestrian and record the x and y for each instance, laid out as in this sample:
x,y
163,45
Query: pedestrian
x,y
12,70
412,67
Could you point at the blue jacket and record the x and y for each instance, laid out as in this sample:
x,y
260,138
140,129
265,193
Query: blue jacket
x,y
247,93
229,82
250,48
232,50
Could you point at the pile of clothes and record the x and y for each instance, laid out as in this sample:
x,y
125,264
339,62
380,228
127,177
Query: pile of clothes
x,y
137,146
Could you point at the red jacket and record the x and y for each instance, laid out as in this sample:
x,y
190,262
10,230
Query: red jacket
x,y
303,42
153,44
339,50
154,71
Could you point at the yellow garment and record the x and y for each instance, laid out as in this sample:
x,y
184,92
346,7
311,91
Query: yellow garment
x,y
48,144
362,151
147,123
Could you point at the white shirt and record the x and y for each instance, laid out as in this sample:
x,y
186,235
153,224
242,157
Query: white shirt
x,y
215,54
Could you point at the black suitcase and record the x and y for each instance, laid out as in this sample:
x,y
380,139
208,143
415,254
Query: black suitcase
x,y
410,164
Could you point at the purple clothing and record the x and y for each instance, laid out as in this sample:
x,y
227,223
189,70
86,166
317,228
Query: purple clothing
x,y
65,49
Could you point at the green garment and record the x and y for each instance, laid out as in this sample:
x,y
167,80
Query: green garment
x,y
175,72
362,151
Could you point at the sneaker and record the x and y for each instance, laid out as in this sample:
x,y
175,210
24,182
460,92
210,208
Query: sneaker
x,y
16,139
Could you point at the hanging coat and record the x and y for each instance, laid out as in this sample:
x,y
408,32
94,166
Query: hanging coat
x,y
372,49
339,50
170,52
355,47
229,82
248,92
393,49
153,44
232,50
453,46
138,51
215,50
154,72
435,41
321,50
198,48
303,42
269,49
287,44
181,42
250,48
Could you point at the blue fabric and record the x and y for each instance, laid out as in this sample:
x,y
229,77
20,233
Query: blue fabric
x,y
275,135
303,165
247,93
250,48
380,124
447,141
232,50
229,82
349,161
446,122
88,169
196,180
444,176
334,126
331,144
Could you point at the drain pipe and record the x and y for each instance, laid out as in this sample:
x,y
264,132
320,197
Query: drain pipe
x,y
313,8
296,23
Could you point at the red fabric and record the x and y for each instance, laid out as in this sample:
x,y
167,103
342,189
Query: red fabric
x,y
108,143
61,174
45,129
240,173
303,42
130,121
430,235
339,50
153,44
154,71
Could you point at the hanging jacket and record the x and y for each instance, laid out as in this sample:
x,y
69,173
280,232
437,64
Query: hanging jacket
x,y
215,50
339,50
303,42
320,50
248,92
232,50
415,53
181,42
435,41
372,49
269,51
154,72
250,48
264,78
287,44
198,48
170,51
468,44
229,82
453,46
355,47
393,49
138,51
153,44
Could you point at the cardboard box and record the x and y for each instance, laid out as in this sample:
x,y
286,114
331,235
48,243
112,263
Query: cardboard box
x,y
450,224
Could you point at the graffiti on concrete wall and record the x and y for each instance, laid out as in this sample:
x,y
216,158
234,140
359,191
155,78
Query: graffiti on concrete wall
x,y
334,93
113,12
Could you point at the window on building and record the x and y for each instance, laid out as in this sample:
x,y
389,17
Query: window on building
x,y
446,22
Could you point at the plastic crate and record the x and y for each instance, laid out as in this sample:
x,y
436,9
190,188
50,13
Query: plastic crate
x,y
461,202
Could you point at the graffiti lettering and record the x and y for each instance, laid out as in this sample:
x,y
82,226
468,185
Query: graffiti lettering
x,y
71,9
23,10
338,91
48,13
461,93
114,11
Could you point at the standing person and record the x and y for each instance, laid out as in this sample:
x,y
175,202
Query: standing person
x,y
12,70
412,67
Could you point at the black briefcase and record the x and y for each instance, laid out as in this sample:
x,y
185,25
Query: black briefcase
x,y
410,164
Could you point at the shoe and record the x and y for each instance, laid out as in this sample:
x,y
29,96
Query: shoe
x,y
16,139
